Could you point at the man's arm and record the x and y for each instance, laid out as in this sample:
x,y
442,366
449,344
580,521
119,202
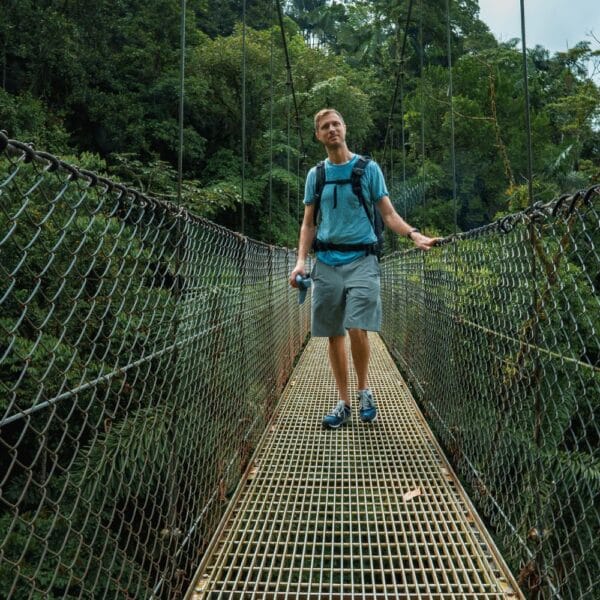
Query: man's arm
x,y
398,225
307,235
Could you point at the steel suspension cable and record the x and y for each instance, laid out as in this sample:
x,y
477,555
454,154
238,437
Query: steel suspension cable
x,y
451,99
399,75
527,108
391,158
243,114
272,46
537,535
181,103
403,141
422,99
288,141
454,336
288,67
171,463
298,197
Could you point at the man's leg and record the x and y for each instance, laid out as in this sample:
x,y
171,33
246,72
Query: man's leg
x,y
361,352
339,365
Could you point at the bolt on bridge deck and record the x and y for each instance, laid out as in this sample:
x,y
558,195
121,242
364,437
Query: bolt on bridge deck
x,y
368,511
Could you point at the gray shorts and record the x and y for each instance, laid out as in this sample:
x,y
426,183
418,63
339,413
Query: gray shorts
x,y
346,297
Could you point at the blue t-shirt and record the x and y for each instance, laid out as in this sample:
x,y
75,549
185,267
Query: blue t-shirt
x,y
343,219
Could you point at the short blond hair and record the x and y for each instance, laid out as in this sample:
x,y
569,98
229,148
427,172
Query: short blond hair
x,y
323,112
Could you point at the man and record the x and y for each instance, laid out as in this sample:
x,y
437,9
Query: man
x,y
346,275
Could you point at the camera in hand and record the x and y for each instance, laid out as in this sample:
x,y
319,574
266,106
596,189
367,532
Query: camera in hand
x,y
303,282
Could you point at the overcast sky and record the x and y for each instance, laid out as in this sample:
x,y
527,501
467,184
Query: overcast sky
x,y
554,24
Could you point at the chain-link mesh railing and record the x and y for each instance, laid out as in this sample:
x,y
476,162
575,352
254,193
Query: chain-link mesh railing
x,y
142,351
499,333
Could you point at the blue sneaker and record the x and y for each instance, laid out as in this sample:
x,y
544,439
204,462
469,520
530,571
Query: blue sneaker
x,y
366,403
338,416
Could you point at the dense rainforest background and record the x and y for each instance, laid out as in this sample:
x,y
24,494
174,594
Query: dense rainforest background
x,y
98,83
86,297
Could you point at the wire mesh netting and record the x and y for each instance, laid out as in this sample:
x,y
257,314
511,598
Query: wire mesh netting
x,y
498,333
142,351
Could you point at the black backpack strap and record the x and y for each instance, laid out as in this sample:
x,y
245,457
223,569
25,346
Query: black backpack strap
x,y
367,248
319,185
374,216
357,172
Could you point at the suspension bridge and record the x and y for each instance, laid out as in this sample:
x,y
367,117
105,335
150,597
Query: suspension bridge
x,y
161,400
144,354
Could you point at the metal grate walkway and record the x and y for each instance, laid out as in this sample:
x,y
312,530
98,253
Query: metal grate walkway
x,y
368,511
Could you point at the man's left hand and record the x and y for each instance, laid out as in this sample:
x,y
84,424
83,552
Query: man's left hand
x,y
424,242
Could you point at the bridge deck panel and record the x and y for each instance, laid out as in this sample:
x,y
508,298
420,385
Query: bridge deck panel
x,y
323,514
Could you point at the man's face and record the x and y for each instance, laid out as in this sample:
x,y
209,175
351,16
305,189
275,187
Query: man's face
x,y
331,131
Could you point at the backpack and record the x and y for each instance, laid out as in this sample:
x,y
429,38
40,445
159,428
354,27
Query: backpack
x,y
375,219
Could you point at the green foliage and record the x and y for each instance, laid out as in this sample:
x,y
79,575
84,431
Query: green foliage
x,y
107,79
26,118
212,200
101,80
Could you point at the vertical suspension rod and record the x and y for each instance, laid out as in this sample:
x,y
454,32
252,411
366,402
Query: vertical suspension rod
x,y
539,535
288,66
451,94
181,103
243,115
527,108
422,98
399,75
271,130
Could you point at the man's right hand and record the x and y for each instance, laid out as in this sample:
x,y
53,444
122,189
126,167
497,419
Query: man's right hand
x,y
298,270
